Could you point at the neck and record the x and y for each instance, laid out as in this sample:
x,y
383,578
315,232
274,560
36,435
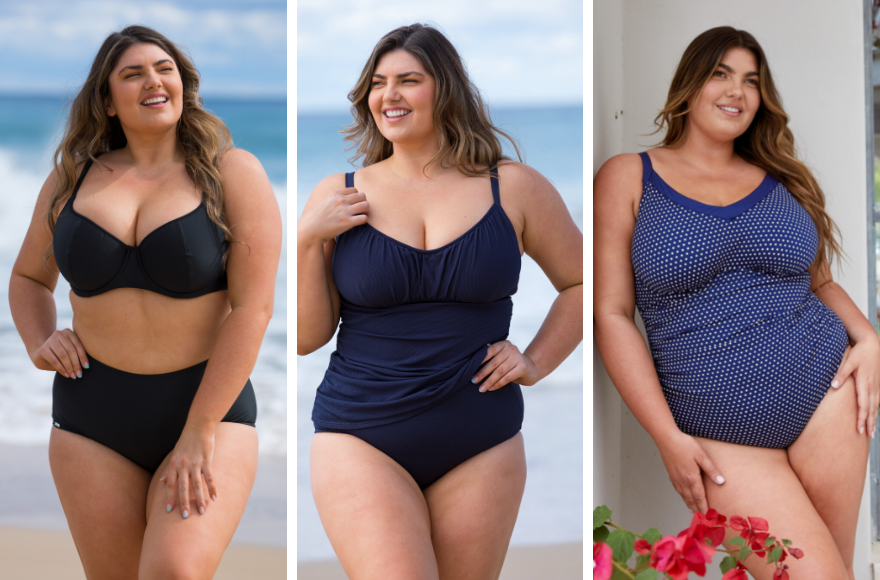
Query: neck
x,y
700,150
409,161
153,150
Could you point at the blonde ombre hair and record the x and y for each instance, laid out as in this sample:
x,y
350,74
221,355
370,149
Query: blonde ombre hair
x,y
768,142
201,136
468,139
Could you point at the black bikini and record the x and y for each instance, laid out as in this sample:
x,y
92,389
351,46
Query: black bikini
x,y
139,416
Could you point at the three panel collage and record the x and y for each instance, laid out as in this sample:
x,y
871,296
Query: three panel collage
x,y
426,404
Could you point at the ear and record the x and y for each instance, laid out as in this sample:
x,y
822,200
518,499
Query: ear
x,y
108,107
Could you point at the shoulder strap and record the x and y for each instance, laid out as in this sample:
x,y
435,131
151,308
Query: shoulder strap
x,y
349,179
82,176
494,179
647,168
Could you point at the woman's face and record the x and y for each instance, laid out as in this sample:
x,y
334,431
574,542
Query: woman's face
x,y
729,101
402,99
146,91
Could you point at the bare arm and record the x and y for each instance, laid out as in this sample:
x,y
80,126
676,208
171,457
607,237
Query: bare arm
x,y
330,210
617,191
32,303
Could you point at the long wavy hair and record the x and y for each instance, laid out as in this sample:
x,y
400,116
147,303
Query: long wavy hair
x,y
468,139
89,132
768,143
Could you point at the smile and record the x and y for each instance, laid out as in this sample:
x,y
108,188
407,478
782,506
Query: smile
x,y
730,109
154,101
397,113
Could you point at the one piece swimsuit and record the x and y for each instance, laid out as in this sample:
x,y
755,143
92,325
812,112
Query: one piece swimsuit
x,y
139,416
415,328
744,350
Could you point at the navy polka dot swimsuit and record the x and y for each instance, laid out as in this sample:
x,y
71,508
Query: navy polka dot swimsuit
x,y
744,350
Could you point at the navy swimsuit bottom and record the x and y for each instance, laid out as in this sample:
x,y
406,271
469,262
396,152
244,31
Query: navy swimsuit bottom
x,y
415,326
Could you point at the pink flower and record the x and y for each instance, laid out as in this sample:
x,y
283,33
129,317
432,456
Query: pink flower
x,y
642,546
678,557
738,573
602,566
755,533
711,526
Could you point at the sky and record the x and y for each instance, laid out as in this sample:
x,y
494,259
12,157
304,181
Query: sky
x,y
518,52
238,46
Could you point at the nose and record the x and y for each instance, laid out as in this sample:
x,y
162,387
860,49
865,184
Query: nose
x,y
734,89
152,79
391,93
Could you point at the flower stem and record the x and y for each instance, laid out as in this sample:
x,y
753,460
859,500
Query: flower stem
x,y
622,568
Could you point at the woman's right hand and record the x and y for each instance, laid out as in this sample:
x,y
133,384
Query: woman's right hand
x,y
684,459
336,213
62,352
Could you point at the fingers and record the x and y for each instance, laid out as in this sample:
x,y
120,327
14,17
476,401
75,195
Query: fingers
x,y
183,492
503,363
198,490
65,353
710,469
843,371
864,403
209,481
170,489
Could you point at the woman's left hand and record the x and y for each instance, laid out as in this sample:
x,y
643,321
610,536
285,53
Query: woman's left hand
x,y
505,363
190,468
863,364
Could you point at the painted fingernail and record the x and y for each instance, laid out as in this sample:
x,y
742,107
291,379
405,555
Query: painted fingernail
x,y
719,480
474,380
861,429
835,383
87,365
185,514
483,389
202,509
79,375
168,507
214,497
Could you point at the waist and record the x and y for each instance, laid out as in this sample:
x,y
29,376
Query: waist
x,y
147,333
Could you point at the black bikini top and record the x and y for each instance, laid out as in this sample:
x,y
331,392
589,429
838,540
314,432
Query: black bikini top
x,y
182,258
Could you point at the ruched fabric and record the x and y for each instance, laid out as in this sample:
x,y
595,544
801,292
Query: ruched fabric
x,y
415,324
744,350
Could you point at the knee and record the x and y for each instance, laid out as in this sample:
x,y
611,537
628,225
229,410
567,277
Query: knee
x,y
174,567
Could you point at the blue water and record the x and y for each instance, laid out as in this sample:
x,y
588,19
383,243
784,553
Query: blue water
x,y
551,141
30,129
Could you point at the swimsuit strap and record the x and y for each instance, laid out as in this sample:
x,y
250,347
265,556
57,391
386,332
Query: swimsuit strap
x,y
81,177
494,179
647,168
349,179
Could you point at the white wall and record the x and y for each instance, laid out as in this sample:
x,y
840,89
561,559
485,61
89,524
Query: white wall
x,y
815,51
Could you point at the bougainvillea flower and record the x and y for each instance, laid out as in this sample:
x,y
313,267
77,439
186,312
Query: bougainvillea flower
x,y
709,526
781,573
738,573
642,546
678,557
796,552
602,566
754,532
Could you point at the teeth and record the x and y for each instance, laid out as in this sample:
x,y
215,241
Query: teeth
x,y
396,113
154,100
731,109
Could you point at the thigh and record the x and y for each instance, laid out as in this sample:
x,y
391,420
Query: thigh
x,y
191,548
830,458
372,510
760,482
103,495
473,510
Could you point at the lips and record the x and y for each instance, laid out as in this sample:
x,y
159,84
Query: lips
x,y
154,100
393,114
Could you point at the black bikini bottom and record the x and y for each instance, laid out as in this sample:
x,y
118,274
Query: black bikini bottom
x,y
140,417
461,426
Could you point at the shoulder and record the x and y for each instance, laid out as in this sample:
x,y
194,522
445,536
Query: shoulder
x,y
520,182
238,161
242,173
619,180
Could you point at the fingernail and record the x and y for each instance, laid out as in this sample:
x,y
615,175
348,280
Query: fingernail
x,y
719,480
483,389
835,383
214,497
79,375
202,510
185,514
168,508
87,365
474,380
861,429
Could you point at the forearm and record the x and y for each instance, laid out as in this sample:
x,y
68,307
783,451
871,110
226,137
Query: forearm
x,y
33,311
315,319
229,367
631,368
857,326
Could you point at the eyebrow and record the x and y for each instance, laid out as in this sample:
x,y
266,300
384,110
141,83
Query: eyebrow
x,y
730,70
401,75
140,67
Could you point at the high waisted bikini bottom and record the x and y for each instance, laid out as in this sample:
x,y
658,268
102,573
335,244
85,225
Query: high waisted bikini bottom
x,y
140,417
461,426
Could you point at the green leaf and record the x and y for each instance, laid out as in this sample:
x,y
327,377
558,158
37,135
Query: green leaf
x,y
786,542
728,563
737,541
642,560
621,544
647,574
617,574
600,534
652,536
775,554
744,553
601,515
771,541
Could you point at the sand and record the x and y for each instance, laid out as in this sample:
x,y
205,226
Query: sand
x,y
559,562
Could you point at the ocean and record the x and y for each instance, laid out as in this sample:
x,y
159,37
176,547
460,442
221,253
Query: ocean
x,y
551,141
30,129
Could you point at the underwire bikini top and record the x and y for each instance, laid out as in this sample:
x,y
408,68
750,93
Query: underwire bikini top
x,y
182,258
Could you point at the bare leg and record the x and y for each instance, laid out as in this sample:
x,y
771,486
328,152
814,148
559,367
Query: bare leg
x,y
103,495
372,510
473,510
177,548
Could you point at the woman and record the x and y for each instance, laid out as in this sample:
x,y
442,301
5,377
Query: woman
x,y
721,239
170,240
417,463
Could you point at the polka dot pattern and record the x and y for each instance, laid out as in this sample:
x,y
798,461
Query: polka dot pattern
x,y
744,350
